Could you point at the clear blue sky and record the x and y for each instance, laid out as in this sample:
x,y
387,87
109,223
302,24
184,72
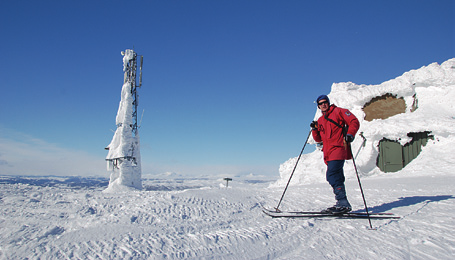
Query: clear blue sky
x,y
228,85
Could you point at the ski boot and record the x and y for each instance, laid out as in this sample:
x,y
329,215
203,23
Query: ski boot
x,y
341,207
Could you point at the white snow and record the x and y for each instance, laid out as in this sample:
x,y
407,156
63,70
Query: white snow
x,y
120,145
199,218
127,56
204,221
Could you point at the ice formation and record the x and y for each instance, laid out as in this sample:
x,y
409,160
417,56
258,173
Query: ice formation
x,y
123,159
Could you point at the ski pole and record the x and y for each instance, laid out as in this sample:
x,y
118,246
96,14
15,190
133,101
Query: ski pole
x,y
290,177
360,185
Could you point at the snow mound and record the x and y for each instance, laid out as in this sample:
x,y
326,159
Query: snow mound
x,y
432,86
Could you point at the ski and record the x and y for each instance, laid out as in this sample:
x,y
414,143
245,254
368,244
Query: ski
x,y
324,215
310,214
319,212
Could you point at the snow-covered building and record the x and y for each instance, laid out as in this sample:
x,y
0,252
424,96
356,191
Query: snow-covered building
x,y
398,119
124,158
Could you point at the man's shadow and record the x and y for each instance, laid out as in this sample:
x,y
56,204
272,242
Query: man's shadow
x,y
408,201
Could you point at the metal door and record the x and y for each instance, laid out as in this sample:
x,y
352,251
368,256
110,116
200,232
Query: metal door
x,y
390,156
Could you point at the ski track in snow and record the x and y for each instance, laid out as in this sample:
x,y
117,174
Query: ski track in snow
x,y
227,223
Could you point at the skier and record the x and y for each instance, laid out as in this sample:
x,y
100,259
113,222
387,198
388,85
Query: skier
x,y
336,129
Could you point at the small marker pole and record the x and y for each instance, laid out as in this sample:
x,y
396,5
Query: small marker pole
x,y
227,181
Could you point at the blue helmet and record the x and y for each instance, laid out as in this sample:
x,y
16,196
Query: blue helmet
x,y
322,97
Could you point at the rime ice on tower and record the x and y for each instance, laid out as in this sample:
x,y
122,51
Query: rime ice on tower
x,y
124,158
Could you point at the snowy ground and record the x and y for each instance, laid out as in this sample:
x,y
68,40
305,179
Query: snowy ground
x,y
52,218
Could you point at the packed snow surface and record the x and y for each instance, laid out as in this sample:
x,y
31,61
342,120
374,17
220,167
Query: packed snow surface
x,y
201,218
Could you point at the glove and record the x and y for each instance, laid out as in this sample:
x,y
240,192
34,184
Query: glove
x,y
314,125
349,138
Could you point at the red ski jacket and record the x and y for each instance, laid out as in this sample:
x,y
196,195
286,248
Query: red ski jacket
x,y
331,135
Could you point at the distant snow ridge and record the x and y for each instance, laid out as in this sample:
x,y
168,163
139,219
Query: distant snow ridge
x,y
430,89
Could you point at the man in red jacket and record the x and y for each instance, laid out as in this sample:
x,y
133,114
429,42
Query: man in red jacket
x,y
336,129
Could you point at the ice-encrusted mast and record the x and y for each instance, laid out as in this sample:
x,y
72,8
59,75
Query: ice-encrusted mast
x,y
124,158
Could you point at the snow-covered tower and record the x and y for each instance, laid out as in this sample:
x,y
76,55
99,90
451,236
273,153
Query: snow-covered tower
x,y
124,158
